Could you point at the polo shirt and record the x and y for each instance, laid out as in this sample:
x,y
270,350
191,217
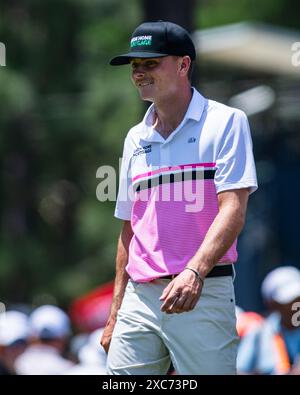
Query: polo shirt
x,y
168,187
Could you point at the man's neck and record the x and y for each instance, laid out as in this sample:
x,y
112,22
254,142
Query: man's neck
x,y
170,113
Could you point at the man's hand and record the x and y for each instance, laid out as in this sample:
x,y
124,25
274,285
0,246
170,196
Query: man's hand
x,y
182,293
107,334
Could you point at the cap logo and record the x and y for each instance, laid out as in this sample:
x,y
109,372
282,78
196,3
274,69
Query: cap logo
x,y
140,41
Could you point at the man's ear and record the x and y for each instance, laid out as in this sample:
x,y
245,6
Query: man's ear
x,y
184,64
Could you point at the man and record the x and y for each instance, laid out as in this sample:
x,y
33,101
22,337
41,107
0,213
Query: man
x,y
14,332
186,175
50,329
274,346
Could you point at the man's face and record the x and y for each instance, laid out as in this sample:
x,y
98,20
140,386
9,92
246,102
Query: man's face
x,y
156,78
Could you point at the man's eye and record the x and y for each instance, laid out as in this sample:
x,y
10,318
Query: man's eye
x,y
148,65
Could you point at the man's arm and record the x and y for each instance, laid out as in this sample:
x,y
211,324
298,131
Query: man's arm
x,y
121,280
224,230
184,291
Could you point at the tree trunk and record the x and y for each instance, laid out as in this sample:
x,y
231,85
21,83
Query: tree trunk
x,y
177,11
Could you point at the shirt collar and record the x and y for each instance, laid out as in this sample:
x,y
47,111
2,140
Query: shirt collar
x,y
194,112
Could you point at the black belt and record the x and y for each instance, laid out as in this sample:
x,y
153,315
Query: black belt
x,y
217,271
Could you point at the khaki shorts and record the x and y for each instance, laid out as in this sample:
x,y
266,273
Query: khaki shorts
x,y
201,341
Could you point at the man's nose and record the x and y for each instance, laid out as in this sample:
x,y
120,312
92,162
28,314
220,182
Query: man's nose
x,y
138,72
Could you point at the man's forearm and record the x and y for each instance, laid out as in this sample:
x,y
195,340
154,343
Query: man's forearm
x,y
219,238
121,278
221,234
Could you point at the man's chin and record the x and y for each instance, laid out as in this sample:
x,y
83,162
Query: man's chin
x,y
146,97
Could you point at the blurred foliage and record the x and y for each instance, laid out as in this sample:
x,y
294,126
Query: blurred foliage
x,y
221,12
64,112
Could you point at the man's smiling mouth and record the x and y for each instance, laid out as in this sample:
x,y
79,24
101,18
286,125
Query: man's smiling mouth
x,y
142,84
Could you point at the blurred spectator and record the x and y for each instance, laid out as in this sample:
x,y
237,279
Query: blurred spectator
x,y
92,357
13,340
274,347
76,343
247,321
50,331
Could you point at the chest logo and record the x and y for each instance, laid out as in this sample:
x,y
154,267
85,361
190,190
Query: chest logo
x,y
142,150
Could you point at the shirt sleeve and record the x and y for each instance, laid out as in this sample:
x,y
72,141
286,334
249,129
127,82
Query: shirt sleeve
x,y
234,159
125,195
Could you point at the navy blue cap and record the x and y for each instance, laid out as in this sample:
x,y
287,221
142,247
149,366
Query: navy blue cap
x,y
157,39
